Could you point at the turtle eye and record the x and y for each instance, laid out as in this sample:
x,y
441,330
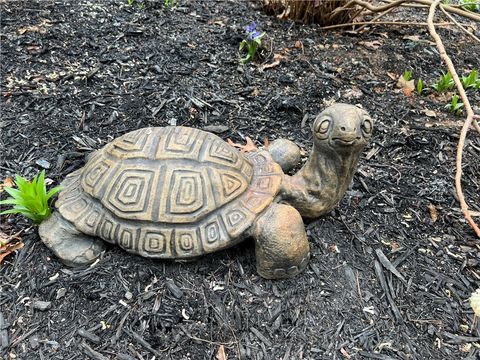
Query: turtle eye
x,y
367,126
322,126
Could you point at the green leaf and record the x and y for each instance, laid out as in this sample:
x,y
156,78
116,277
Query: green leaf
x,y
31,198
13,192
53,191
11,201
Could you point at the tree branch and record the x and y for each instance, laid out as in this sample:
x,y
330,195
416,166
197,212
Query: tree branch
x,y
468,121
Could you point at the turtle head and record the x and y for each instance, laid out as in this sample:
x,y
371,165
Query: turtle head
x,y
342,128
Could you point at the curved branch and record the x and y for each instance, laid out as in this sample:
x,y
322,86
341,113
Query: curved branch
x,y
459,25
468,121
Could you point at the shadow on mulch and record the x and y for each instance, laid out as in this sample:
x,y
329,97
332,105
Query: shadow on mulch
x,y
385,280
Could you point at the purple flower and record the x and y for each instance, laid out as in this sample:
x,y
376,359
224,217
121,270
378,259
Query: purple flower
x,y
251,28
251,31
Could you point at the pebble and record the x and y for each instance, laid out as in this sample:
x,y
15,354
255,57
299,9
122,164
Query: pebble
x,y
42,305
43,163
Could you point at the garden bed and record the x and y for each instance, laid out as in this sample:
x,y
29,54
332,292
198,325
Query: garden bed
x,y
76,76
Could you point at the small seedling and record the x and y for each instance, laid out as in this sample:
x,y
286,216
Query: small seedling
x,y
31,198
407,75
419,86
444,83
140,3
470,5
170,3
252,42
471,80
455,106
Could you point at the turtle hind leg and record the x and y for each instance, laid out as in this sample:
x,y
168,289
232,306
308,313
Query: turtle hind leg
x,y
71,246
281,244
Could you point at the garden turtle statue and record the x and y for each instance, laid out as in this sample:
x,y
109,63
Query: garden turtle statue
x,y
179,192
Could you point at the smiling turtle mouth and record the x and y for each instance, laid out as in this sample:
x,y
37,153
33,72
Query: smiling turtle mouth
x,y
344,142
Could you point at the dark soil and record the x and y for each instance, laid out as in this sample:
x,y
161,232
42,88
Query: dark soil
x,y
76,76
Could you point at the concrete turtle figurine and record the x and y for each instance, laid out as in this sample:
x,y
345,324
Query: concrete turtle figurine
x,y
178,193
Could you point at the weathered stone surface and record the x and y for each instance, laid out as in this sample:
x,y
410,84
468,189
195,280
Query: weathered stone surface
x,y
285,153
179,192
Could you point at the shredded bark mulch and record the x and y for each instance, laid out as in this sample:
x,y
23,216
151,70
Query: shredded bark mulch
x,y
392,267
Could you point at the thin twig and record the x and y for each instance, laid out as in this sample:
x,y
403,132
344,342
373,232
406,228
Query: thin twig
x,y
459,25
468,121
400,23
375,19
397,3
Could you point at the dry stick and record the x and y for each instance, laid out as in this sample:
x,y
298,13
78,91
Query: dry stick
x,y
452,9
397,3
459,25
400,23
379,16
370,7
468,121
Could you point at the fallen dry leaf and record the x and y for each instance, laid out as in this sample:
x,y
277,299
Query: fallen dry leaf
x,y
255,92
249,146
8,182
276,61
33,28
40,28
407,86
374,45
298,44
429,113
7,249
221,353
433,212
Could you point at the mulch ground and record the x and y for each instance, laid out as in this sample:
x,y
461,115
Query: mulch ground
x,y
392,267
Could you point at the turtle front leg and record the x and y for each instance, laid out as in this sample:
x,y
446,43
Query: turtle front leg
x,y
71,246
285,153
281,244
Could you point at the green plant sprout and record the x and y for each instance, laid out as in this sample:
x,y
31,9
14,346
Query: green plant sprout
x,y
140,3
170,3
252,42
419,86
455,106
471,80
31,198
444,83
407,75
470,5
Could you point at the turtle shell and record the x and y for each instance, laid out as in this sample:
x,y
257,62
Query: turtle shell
x,y
172,192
